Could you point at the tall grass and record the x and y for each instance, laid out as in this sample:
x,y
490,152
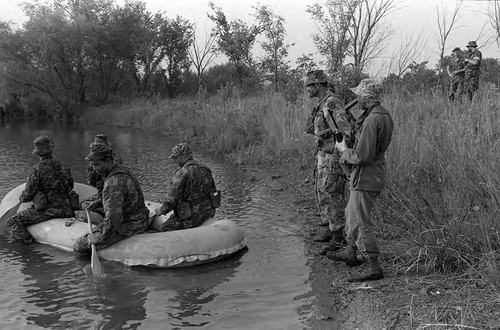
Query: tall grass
x,y
443,194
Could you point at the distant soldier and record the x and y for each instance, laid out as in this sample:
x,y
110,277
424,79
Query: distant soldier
x,y
125,212
192,194
456,71
472,69
326,120
48,185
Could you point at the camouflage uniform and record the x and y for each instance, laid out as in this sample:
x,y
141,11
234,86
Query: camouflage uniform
x,y
125,211
456,78
49,178
189,195
329,179
93,177
472,71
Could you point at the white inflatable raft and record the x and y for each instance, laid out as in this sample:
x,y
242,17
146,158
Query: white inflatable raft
x,y
214,240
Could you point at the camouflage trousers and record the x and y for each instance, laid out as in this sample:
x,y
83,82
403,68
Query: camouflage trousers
x,y
471,83
329,189
83,248
456,88
173,222
15,227
359,227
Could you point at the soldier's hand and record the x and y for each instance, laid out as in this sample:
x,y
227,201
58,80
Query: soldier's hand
x,y
92,239
158,211
325,133
341,146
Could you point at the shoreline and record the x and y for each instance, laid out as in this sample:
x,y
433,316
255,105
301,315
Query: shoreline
x,y
412,295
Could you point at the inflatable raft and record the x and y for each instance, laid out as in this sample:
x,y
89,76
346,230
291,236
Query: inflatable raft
x,y
214,240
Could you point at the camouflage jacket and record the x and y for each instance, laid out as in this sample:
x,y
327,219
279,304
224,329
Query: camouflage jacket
x,y
329,111
192,183
55,181
471,69
125,211
96,180
457,64
374,130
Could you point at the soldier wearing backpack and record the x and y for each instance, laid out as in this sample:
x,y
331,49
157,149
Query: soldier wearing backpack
x,y
48,186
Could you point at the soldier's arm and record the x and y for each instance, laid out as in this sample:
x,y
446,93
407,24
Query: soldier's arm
x,y
366,147
174,191
31,186
113,203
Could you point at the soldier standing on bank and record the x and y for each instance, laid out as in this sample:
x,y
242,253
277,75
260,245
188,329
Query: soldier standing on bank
x,y
456,71
472,66
327,119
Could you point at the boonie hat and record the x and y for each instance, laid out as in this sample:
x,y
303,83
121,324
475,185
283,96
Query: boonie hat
x,y
472,44
180,149
456,49
43,145
316,77
368,88
100,138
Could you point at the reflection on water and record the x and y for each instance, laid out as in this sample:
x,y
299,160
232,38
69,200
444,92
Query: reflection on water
x,y
266,287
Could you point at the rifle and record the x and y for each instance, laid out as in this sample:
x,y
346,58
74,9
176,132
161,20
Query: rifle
x,y
338,134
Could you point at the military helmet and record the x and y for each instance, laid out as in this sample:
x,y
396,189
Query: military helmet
x,y
43,145
456,49
316,77
99,151
180,149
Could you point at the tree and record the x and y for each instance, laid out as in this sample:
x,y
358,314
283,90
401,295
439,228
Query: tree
x,y
409,50
493,13
177,38
275,49
202,55
235,39
351,29
445,27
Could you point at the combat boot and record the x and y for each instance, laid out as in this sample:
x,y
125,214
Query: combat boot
x,y
347,255
336,243
325,237
370,273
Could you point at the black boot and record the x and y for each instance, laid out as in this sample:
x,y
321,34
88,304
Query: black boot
x,y
370,273
347,255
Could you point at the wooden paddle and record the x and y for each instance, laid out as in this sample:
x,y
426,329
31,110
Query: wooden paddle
x,y
95,264
7,215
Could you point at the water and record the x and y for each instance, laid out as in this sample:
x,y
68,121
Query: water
x,y
266,287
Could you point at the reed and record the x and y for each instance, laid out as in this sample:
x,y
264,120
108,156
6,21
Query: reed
x,y
443,192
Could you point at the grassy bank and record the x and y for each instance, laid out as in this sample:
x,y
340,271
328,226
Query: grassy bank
x,y
439,211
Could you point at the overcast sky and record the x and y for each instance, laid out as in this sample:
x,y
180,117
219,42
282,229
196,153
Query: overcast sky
x,y
414,17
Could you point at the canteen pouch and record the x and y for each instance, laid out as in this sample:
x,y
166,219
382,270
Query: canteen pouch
x,y
215,198
74,200
183,210
40,201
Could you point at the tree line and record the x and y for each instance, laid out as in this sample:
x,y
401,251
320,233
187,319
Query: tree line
x,y
75,52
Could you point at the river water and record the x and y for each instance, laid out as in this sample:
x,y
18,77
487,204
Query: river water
x,y
269,286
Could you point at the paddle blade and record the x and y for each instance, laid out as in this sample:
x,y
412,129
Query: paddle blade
x,y
95,264
7,215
